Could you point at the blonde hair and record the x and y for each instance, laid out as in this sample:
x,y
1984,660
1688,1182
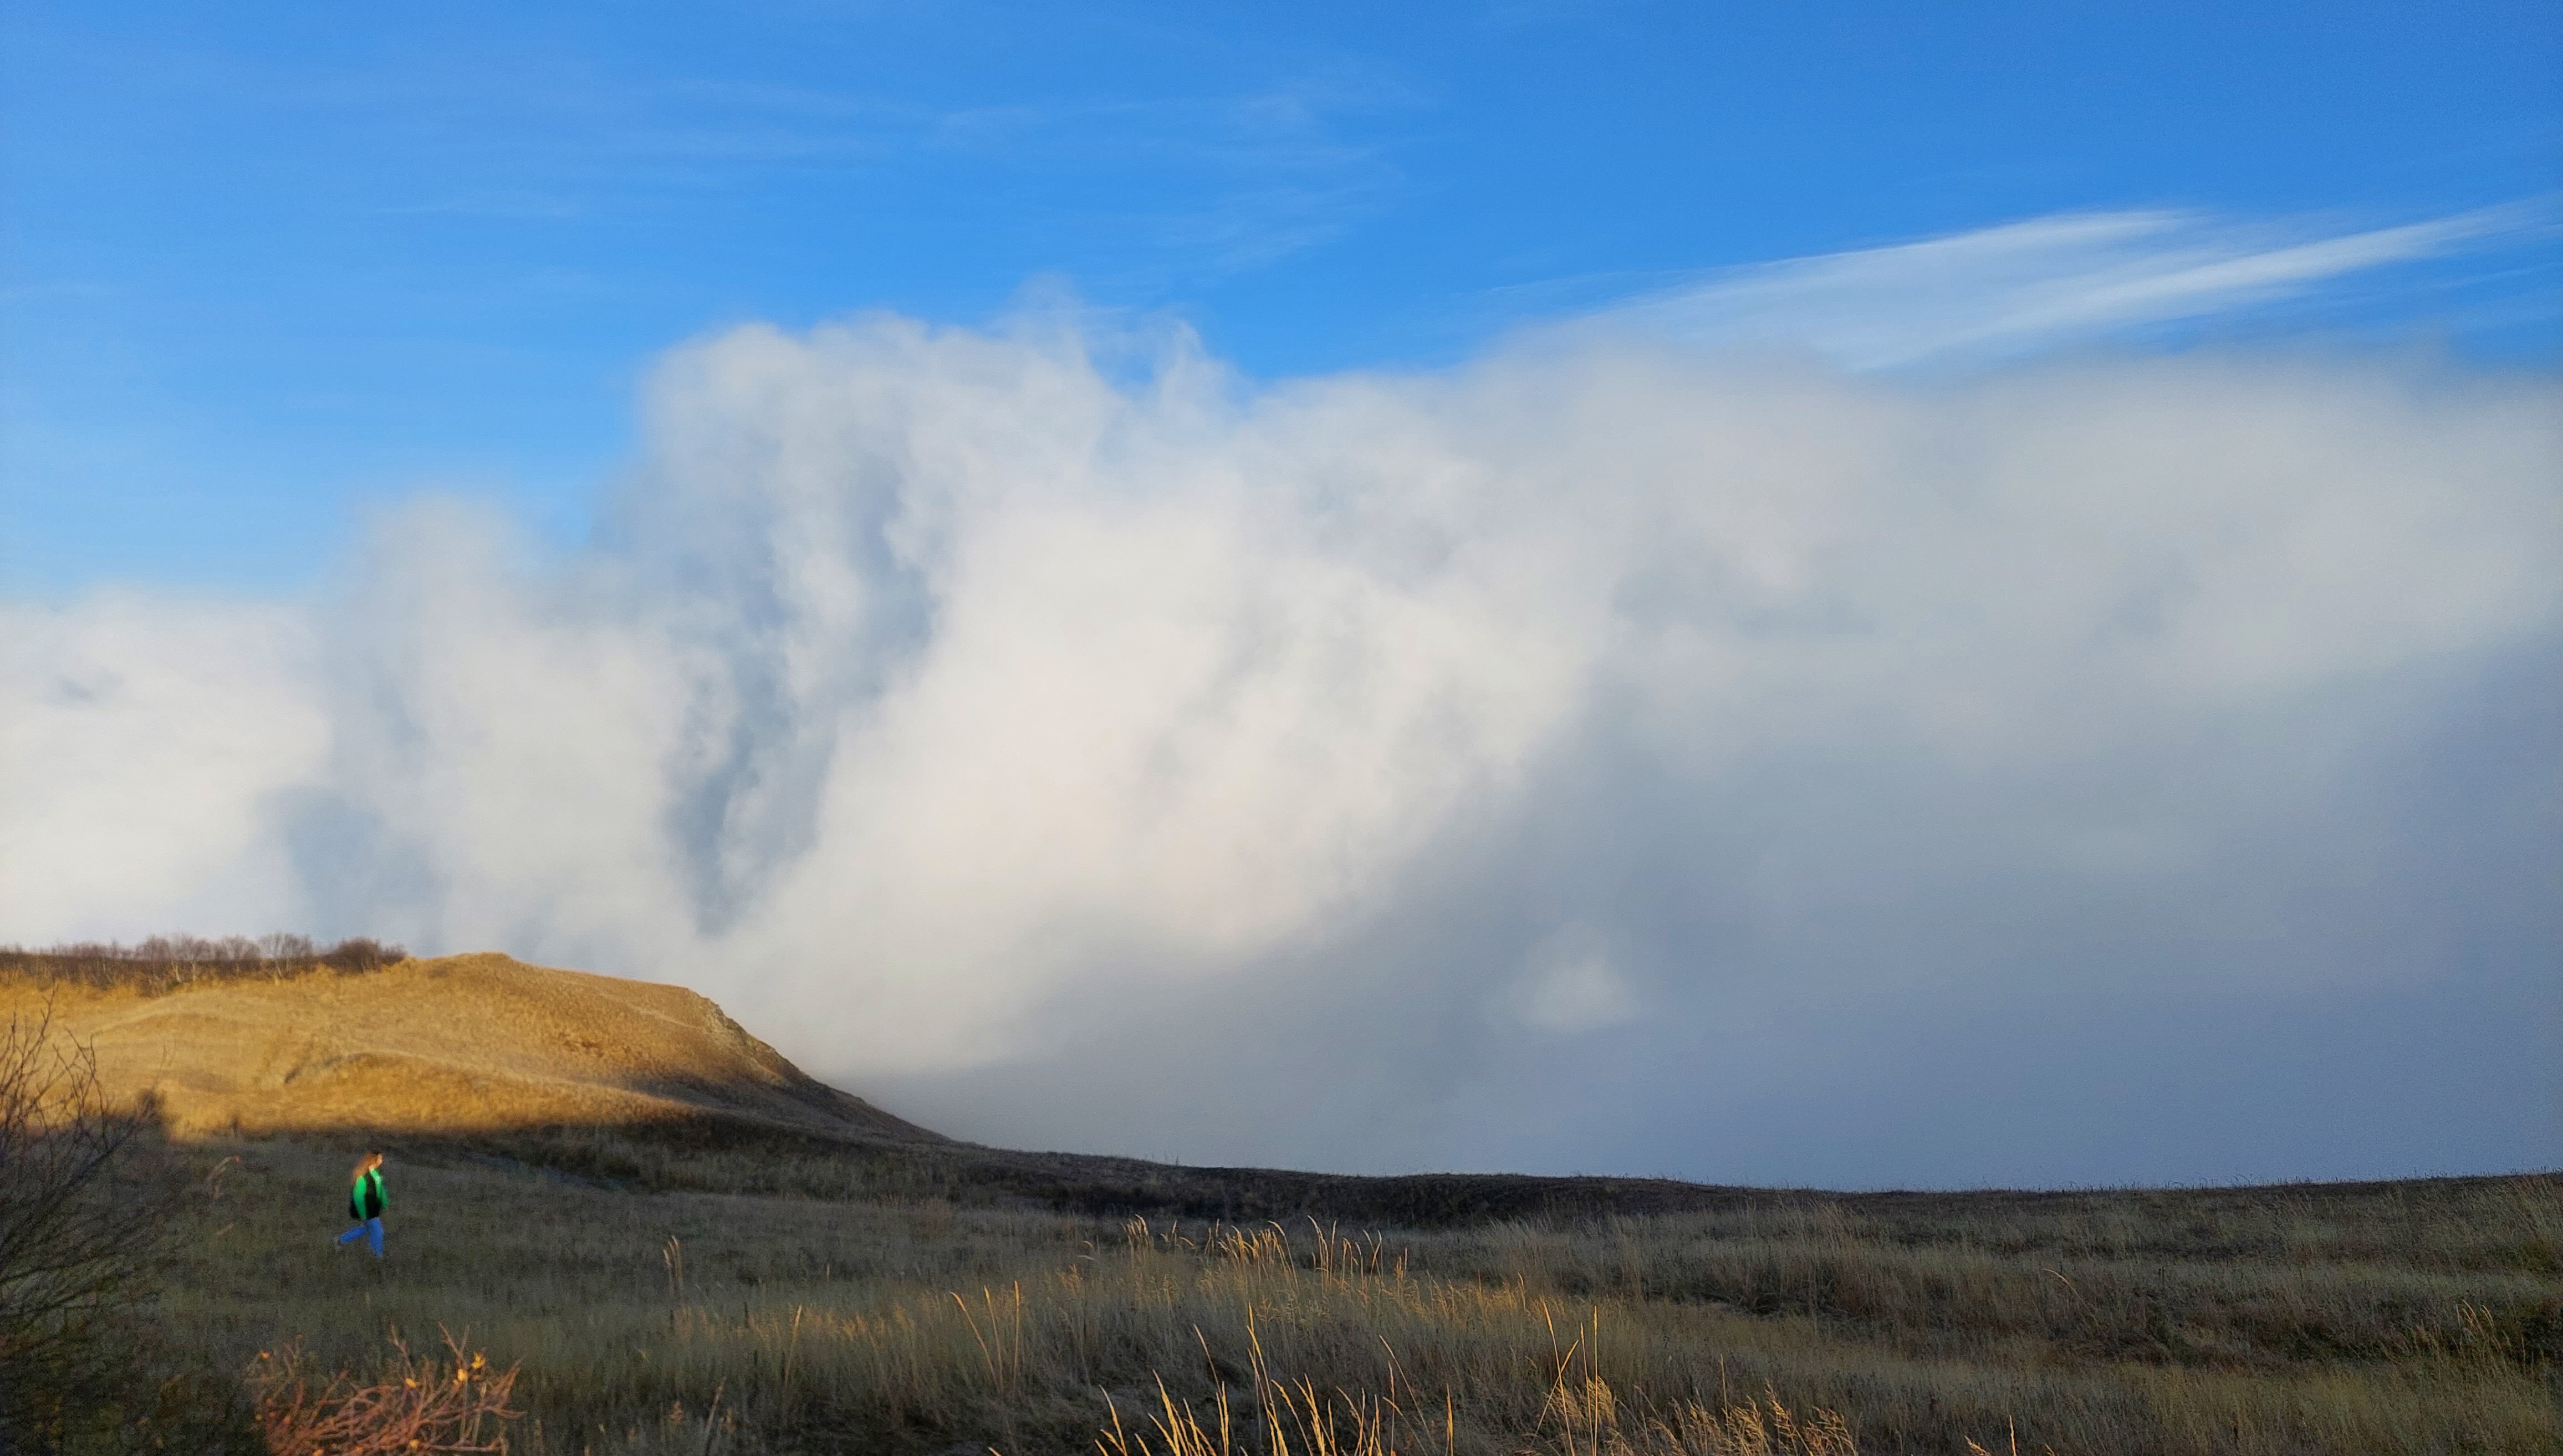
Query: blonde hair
x,y
365,1163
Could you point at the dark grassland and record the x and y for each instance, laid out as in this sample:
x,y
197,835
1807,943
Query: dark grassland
x,y
700,1288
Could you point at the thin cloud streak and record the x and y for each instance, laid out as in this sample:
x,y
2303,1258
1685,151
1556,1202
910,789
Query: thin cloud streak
x,y
2024,286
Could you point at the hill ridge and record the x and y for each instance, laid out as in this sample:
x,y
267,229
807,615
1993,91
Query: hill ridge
x,y
642,1083
478,1041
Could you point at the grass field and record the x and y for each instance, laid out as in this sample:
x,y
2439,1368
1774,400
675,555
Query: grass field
x,y
679,1244
664,1315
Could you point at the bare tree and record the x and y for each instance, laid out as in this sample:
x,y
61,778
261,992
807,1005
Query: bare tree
x,y
165,963
84,1209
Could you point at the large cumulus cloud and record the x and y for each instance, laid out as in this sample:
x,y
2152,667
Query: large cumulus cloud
x,y
1601,754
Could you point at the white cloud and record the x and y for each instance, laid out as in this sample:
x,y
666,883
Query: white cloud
x,y
943,706
2026,286
138,743
1570,985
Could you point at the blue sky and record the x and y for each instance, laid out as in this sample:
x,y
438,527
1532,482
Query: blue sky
x,y
269,267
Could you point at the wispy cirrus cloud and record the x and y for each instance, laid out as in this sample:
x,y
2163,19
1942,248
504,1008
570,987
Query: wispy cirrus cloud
x,y
1232,181
2044,282
1175,186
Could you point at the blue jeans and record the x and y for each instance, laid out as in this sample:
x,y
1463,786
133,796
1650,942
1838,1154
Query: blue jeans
x,y
372,1226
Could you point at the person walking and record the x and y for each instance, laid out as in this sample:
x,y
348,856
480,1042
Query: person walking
x,y
366,1202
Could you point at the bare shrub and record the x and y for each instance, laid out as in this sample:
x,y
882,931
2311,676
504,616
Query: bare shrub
x,y
454,1402
165,963
84,1217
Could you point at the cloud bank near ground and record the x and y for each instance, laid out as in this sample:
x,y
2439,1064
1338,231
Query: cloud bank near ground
x,y
1603,756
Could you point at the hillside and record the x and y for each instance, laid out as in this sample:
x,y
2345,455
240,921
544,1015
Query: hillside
x,y
672,1241
457,1044
638,1085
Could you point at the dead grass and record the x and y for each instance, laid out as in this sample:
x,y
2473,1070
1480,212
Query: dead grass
x,y
257,1045
2391,1318
680,1243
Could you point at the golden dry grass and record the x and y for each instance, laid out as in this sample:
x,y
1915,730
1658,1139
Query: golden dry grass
x,y
680,1244
2410,1319
458,1042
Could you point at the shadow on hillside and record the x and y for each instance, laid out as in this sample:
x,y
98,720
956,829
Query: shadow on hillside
x,y
714,1154
711,1154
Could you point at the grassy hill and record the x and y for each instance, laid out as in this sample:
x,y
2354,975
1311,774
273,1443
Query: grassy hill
x,y
639,1085
683,1246
455,1044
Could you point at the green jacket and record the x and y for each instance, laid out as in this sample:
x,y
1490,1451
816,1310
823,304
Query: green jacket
x,y
365,1198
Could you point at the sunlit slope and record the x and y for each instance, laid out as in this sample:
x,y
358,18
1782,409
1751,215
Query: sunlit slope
x,y
457,1043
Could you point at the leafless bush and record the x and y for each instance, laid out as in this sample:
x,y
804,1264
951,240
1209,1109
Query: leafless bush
x,y
455,1402
83,1211
165,963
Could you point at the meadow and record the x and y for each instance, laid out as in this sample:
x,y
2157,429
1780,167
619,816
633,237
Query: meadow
x,y
656,1298
750,1263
